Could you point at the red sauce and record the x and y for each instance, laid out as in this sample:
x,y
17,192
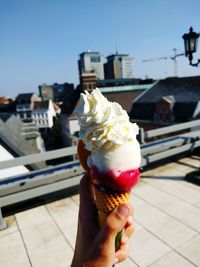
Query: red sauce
x,y
122,182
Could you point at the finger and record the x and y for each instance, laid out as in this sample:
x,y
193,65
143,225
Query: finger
x,y
88,211
127,232
117,219
132,211
130,220
114,223
126,236
86,190
123,252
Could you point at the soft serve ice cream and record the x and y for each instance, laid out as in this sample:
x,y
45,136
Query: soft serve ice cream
x,y
106,131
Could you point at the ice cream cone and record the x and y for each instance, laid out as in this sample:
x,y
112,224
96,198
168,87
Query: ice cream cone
x,y
109,151
107,201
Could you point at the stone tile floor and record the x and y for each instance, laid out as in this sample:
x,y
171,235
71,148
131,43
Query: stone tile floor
x,y
167,220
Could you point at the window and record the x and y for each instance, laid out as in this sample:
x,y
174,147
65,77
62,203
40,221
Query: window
x,y
167,116
160,116
95,59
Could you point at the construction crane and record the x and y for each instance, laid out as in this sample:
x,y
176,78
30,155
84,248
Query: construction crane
x,y
174,58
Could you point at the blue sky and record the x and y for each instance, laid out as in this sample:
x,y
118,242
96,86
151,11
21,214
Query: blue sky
x,y
41,39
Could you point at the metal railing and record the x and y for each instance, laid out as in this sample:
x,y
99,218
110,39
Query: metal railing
x,y
54,178
166,147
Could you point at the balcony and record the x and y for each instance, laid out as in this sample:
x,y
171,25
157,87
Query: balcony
x,y
166,207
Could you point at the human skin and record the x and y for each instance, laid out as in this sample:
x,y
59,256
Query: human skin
x,y
94,247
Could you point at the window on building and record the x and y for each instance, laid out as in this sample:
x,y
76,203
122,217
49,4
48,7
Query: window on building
x,y
95,59
160,115
167,116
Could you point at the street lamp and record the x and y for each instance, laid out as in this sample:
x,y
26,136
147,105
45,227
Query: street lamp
x,y
190,42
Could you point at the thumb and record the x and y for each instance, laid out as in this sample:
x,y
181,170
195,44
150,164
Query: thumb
x,y
116,220
113,224
103,250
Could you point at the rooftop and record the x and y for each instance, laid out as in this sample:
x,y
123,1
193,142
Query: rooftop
x,y
125,88
184,90
166,215
41,104
24,96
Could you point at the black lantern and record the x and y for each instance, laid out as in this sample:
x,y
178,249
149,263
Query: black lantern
x,y
190,42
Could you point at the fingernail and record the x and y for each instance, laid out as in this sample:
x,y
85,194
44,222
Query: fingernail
x,y
123,210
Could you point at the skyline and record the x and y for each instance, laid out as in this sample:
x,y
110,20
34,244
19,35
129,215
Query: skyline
x,y
42,40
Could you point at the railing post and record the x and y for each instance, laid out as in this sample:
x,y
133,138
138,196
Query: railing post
x,y
2,222
141,136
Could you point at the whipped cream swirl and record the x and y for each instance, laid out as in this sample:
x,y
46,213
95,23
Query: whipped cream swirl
x,y
103,124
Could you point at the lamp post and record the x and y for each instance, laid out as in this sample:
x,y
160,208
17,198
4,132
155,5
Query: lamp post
x,y
190,43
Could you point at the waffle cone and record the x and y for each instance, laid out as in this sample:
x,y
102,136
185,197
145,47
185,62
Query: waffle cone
x,y
106,202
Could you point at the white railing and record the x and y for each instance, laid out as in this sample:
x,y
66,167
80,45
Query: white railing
x,y
54,178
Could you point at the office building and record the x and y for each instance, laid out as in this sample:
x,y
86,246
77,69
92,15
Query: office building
x,y
118,66
91,62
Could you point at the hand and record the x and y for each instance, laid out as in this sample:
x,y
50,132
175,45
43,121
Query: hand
x,y
94,247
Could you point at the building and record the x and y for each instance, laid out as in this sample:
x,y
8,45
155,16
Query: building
x,y
122,91
69,129
118,66
25,104
5,100
16,144
7,109
28,130
169,101
88,82
122,82
46,91
43,114
56,92
125,95
91,62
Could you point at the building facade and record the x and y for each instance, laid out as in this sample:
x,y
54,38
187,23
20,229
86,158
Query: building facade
x,y
88,82
169,101
43,114
118,66
91,62
56,92
25,104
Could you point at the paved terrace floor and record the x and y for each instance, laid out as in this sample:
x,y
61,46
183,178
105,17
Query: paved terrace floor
x,y
167,219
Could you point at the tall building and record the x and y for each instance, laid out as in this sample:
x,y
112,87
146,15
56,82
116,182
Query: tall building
x,y
91,62
118,66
